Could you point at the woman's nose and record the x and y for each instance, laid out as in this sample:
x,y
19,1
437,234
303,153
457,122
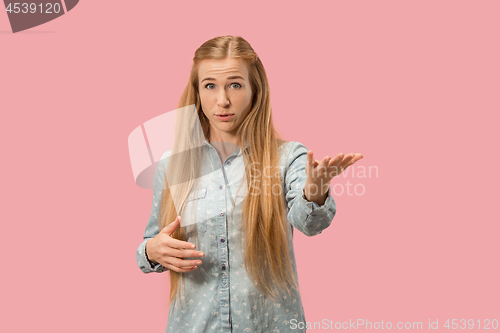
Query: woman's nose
x,y
222,101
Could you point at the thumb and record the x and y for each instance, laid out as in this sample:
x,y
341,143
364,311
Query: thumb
x,y
169,229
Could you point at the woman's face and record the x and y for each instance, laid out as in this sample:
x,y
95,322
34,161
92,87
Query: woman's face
x,y
224,87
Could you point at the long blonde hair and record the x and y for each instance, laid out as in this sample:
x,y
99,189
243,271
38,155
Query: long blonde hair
x,y
267,257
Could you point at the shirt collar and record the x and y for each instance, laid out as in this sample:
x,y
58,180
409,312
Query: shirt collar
x,y
245,145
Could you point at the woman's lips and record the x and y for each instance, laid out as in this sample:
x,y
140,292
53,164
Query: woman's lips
x,y
226,117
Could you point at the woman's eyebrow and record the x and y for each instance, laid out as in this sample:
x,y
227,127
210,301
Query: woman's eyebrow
x,y
228,78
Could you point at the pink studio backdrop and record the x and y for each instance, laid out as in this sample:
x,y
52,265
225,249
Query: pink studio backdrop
x,y
412,85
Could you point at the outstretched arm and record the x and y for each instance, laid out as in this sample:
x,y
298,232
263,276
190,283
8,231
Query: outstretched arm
x,y
307,216
307,182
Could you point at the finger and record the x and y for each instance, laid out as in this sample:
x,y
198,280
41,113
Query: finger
x,y
323,164
347,161
311,163
357,158
179,269
336,160
182,263
348,158
169,229
184,253
310,159
179,244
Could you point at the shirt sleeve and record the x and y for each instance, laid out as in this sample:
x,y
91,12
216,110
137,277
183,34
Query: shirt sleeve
x,y
306,216
152,228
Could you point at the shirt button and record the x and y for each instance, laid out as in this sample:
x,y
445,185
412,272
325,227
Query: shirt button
x,y
222,214
228,163
222,240
220,187
223,267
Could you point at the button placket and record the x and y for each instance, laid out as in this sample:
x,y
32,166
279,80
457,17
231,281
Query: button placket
x,y
222,229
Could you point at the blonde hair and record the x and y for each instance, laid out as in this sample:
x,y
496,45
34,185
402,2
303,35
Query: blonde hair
x,y
267,256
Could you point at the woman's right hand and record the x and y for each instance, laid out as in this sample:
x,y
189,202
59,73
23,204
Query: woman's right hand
x,y
168,251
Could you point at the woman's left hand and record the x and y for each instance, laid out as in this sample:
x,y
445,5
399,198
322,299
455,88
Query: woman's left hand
x,y
320,173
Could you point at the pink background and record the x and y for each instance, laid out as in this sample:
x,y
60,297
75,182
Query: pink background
x,y
414,86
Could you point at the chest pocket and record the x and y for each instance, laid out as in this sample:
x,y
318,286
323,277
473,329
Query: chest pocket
x,y
196,212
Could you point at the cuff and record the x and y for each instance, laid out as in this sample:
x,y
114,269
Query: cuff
x,y
146,263
313,207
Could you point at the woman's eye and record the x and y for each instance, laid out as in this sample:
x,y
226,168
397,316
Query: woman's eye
x,y
232,85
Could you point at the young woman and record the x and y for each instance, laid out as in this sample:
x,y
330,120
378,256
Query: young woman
x,y
241,190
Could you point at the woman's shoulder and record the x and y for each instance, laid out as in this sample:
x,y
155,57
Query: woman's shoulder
x,y
164,158
288,148
291,152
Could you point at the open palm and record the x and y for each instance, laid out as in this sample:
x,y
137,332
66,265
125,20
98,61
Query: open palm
x,y
322,172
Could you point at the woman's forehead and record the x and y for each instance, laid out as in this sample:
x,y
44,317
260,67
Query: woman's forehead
x,y
222,68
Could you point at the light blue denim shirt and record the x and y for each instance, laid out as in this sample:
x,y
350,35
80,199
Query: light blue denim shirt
x,y
219,296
